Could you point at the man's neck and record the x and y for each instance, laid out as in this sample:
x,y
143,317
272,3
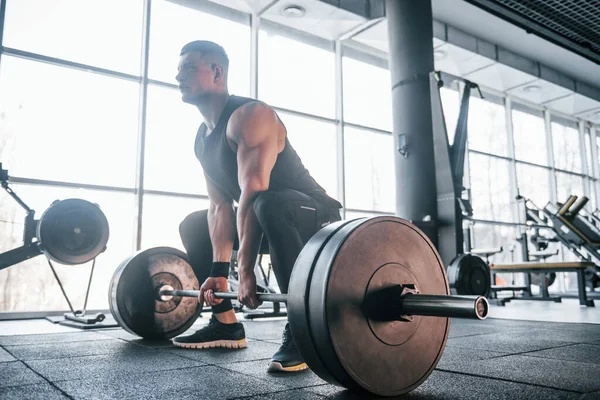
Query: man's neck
x,y
212,108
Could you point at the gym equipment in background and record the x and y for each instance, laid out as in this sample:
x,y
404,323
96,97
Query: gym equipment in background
x,y
71,232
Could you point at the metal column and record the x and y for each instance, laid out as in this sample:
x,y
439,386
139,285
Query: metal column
x,y
410,31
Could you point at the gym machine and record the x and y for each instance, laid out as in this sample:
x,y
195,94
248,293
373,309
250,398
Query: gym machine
x,y
468,274
70,232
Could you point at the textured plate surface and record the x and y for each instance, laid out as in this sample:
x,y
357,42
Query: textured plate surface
x,y
134,288
73,231
390,358
297,301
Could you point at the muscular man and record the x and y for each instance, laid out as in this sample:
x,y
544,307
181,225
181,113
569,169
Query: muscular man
x,y
247,158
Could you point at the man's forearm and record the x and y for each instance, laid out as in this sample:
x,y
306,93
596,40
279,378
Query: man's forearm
x,y
249,232
221,226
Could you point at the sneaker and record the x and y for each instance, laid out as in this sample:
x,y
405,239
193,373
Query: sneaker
x,y
287,358
215,334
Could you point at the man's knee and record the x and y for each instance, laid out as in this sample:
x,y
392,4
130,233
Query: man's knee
x,y
193,223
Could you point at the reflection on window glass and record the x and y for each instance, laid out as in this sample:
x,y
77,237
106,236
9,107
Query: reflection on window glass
x,y
567,185
162,216
451,106
285,78
487,127
534,183
316,144
61,124
30,285
369,170
77,31
173,26
565,141
490,188
170,163
530,137
367,94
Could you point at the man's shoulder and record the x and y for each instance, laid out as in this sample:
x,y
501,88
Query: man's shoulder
x,y
251,113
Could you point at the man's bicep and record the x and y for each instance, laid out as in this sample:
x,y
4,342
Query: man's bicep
x,y
257,148
255,166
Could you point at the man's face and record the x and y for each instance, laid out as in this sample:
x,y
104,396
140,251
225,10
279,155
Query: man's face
x,y
196,78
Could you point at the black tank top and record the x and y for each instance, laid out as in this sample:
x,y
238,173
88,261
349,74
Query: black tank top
x,y
219,161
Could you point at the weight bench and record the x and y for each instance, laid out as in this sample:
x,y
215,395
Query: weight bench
x,y
537,267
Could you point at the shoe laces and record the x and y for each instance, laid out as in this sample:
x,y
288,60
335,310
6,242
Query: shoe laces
x,y
212,323
287,339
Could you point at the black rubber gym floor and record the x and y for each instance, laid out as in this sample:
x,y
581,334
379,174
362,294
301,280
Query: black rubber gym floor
x,y
493,359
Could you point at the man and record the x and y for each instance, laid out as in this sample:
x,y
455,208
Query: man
x,y
247,158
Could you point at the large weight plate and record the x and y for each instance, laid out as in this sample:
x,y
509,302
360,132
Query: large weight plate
x,y
133,294
469,275
298,308
384,358
72,231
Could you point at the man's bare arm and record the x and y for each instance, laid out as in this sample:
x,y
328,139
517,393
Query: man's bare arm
x,y
221,223
255,131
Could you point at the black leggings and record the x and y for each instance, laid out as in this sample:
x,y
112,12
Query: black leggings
x,y
288,219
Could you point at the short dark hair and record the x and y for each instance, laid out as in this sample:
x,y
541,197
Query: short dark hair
x,y
206,47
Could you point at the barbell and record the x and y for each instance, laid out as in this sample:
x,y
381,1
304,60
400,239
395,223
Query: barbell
x,y
368,302
399,298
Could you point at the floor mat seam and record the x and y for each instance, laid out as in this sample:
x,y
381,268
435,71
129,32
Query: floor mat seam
x,y
141,373
534,351
42,376
507,380
278,391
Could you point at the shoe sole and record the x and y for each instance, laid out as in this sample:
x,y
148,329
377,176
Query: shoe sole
x,y
277,367
227,344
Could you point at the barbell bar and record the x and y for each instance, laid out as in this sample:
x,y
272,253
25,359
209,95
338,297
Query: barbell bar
x,y
474,307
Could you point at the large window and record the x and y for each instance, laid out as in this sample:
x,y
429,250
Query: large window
x,y
566,146
487,127
567,185
490,188
172,26
105,34
530,136
369,159
451,107
30,285
162,216
315,143
296,75
534,183
367,94
62,124
588,154
171,127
